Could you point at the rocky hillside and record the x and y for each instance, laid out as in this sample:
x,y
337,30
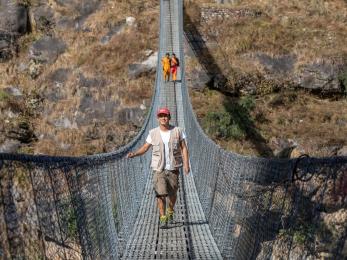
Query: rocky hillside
x,y
70,85
278,71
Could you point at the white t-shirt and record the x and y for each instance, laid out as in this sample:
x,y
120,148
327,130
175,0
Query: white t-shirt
x,y
165,136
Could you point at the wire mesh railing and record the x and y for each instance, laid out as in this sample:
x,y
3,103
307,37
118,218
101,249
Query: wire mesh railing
x,y
86,207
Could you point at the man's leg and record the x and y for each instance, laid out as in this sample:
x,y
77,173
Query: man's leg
x,y
173,181
161,191
161,205
172,202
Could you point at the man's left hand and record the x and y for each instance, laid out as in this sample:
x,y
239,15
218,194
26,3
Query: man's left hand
x,y
186,169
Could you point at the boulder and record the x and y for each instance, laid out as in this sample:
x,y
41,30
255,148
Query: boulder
x,y
134,115
60,75
148,66
114,30
91,110
55,92
13,91
319,77
46,50
130,21
13,17
80,9
342,151
285,148
199,79
9,146
42,17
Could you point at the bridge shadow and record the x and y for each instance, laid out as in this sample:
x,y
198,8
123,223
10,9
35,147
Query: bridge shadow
x,y
218,81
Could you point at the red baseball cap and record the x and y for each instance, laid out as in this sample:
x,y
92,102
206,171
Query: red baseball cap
x,y
164,111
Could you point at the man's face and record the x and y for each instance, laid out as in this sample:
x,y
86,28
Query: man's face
x,y
163,119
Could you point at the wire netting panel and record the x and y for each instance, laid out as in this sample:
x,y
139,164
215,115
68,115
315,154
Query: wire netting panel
x,y
87,207
268,208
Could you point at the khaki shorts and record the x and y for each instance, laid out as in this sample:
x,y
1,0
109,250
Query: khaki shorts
x,y
165,182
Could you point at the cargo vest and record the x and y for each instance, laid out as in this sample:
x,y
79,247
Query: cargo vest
x,y
158,156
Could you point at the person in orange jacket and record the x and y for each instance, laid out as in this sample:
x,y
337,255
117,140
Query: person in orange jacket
x,y
174,65
165,61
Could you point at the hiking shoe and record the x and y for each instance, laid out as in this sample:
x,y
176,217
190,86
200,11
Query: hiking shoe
x,y
163,222
169,215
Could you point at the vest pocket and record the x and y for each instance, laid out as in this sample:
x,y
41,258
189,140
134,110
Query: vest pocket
x,y
156,149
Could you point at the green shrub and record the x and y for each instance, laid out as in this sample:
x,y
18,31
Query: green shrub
x,y
221,124
247,103
4,96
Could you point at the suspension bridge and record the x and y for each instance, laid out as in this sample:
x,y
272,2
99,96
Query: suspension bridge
x,y
103,206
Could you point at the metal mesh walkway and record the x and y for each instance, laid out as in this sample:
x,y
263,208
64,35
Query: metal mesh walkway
x,y
229,207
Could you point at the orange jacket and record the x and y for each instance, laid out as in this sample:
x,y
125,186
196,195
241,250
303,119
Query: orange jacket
x,y
166,63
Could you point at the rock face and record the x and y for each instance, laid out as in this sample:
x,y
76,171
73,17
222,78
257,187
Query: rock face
x,y
91,110
148,66
282,64
342,151
13,17
46,50
9,146
319,77
13,91
80,9
14,22
134,115
56,89
114,30
199,79
42,18
83,8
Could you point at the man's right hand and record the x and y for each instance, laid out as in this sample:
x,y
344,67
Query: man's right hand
x,y
130,155
140,151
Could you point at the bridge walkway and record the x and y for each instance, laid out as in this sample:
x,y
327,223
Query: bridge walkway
x,y
188,237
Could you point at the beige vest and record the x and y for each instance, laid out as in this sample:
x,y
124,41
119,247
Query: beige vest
x,y
158,156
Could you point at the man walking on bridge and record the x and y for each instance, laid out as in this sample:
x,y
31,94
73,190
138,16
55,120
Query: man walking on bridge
x,y
169,153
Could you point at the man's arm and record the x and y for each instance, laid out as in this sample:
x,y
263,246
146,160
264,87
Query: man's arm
x,y
144,148
185,155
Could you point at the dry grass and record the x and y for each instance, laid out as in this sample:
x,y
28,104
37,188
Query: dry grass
x,y
313,123
309,29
